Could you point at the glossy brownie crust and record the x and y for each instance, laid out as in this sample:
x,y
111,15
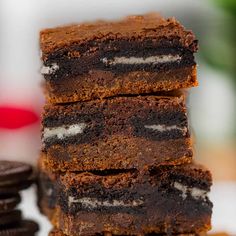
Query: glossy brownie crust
x,y
140,54
162,200
109,133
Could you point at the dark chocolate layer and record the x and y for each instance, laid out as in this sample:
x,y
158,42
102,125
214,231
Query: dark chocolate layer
x,y
98,130
150,200
70,66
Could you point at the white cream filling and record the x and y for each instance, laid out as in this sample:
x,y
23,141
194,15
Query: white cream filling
x,y
163,128
87,202
142,60
63,131
49,192
48,70
196,193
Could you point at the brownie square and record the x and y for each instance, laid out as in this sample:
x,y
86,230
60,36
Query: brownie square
x,y
163,200
117,133
139,54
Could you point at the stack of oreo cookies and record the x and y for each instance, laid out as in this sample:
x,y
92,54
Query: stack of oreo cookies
x,y
14,177
117,155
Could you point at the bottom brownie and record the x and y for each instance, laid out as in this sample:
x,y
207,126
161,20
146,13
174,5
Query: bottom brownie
x,y
164,200
56,232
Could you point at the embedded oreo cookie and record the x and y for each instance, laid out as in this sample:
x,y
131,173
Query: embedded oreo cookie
x,y
10,217
139,54
13,172
9,201
24,228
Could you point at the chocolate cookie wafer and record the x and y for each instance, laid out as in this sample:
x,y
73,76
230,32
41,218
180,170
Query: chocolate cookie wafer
x,y
10,217
13,172
14,177
24,228
9,201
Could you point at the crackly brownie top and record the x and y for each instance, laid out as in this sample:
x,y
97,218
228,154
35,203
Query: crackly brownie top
x,y
151,26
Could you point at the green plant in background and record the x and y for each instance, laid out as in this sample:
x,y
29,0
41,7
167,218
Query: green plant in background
x,y
229,5
220,51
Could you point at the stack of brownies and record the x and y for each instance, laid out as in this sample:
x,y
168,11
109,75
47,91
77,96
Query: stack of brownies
x,y
117,151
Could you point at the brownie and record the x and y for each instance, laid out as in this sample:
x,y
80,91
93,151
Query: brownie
x,y
139,54
165,200
57,232
117,133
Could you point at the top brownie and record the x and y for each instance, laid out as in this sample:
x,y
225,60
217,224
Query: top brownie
x,y
139,54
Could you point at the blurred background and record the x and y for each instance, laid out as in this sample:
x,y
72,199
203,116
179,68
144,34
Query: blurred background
x,y
212,105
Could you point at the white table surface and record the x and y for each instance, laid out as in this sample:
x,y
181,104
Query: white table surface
x,y
223,195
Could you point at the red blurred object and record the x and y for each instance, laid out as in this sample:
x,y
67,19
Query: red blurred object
x,y
14,118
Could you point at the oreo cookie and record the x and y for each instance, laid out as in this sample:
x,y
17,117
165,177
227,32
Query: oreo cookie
x,y
12,189
14,177
10,217
9,202
13,172
25,227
